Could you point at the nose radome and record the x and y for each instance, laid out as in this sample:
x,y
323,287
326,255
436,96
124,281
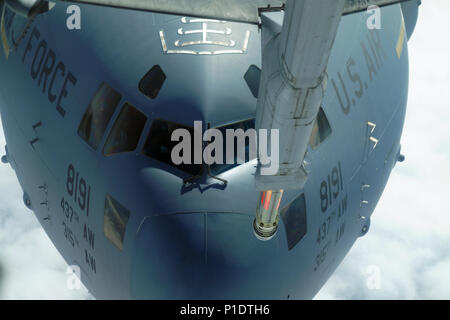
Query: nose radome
x,y
203,256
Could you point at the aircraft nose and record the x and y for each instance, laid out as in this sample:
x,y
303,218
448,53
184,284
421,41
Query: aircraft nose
x,y
204,256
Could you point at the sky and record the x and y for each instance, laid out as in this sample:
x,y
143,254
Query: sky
x,y
406,253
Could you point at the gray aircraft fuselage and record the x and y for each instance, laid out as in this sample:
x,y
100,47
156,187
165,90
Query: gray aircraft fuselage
x,y
194,240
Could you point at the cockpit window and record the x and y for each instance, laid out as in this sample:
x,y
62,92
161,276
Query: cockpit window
x,y
152,82
321,129
127,129
115,221
294,219
253,78
159,145
244,125
99,113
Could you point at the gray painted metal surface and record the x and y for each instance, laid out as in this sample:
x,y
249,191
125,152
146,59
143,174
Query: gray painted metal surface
x,y
232,10
293,84
195,240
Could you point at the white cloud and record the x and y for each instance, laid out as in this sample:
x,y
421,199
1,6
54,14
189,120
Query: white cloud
x,y
409,239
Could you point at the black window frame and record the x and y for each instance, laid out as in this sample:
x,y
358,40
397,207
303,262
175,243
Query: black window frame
x,y
324,129
115,223
296,224
113,128
85,126
152,82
